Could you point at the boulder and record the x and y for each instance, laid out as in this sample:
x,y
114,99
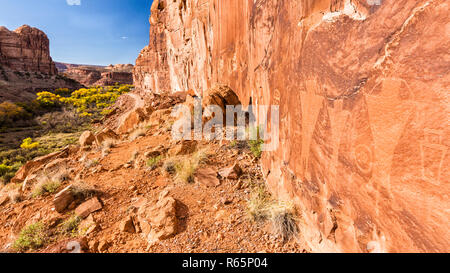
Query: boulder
x,y
75,246
87,139
158,222
88,225
233,172
104,135
37,164
207,177
133,119
159,117
185,147
159,150
127,225
88,207
63,199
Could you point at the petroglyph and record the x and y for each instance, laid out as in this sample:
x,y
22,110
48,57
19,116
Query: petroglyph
x,y
433,154
388,114
311,106
338,120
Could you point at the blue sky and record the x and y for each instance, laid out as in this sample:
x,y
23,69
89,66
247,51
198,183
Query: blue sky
x,y
97,32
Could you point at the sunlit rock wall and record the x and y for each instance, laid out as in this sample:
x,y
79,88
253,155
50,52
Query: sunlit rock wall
x,y
363,89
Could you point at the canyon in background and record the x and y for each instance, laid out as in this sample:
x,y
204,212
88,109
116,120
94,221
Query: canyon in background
x,y
362,161
26,67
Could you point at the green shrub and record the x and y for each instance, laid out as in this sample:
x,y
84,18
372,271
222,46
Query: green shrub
x,y
256,145
70,226
31,237
154,161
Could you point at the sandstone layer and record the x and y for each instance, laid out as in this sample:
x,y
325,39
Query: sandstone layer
x,y
364,106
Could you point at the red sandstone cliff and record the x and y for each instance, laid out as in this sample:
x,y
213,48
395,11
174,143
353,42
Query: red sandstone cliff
x,y
363,92
26,49
26,66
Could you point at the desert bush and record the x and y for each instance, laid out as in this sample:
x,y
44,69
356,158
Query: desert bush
x,y
45,185
88,102
64,92
70,225
169,166
48,99
11,112
65,121
186,168
28,144
82,191
256,147
262,207
31,237
95,99
154,161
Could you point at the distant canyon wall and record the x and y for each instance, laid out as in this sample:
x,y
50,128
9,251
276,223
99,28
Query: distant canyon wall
x,y
26,66
26,49
100,76
363,89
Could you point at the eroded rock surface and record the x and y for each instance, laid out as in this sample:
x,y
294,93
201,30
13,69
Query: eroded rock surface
x,y
363,95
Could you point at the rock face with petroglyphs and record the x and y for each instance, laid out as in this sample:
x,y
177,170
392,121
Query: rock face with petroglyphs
x,y
364,106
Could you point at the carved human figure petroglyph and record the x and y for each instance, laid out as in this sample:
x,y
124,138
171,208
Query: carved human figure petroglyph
x,y
338,120
311,103
388,115
433,154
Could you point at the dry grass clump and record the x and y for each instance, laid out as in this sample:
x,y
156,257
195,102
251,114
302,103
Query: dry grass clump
x,y
133,157
46,185
90,163
186,168
82,191
139,132
12,190
107,145
281,215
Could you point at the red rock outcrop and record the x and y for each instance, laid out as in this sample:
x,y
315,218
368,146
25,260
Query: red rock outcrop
x,y
363,92
26,66
26,49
